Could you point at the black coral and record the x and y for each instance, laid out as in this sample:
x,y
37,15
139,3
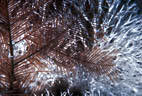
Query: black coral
x,y
34,34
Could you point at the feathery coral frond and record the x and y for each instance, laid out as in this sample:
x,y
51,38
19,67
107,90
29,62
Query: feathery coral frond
x,y
39,38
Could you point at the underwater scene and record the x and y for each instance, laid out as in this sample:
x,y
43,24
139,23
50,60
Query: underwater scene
x,y
70,48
